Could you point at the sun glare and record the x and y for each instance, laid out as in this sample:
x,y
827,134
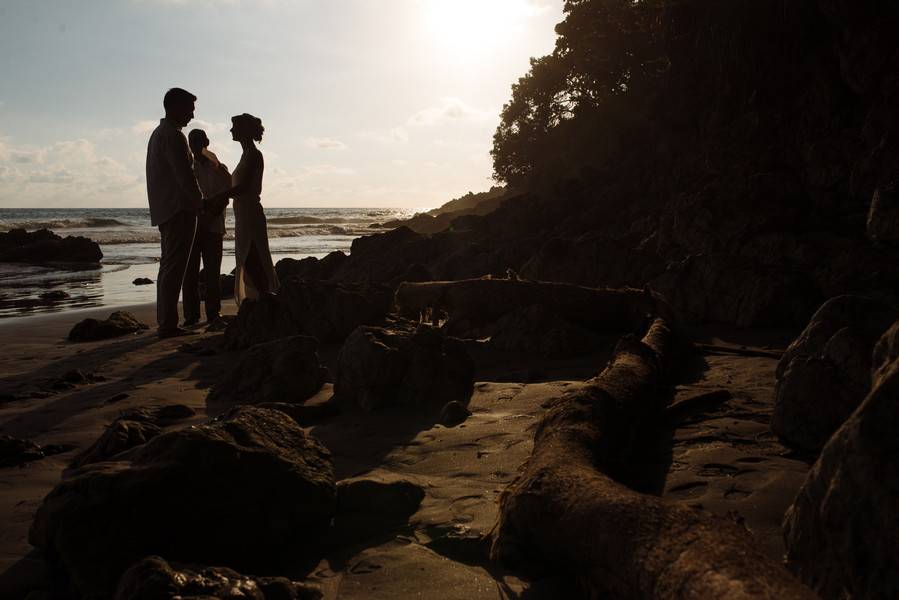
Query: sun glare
x,y
467,29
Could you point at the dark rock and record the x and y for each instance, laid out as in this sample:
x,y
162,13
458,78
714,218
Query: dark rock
x,y
825,373
134,427
371,506
883,216
163,416
142,281
16,451
592,260
325,310
306,268
380,367
723,288
44,246
55,295
118,324
246,490
304,415
310,267
286,370
841,530
536,330
153,578
453,413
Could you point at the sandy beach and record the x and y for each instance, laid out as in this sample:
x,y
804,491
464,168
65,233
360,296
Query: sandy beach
x,y
716,452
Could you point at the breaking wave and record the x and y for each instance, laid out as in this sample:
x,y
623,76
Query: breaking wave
x,y
85,223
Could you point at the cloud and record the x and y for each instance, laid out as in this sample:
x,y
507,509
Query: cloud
x,y
397,135
68,171
325,143
144,127
449,109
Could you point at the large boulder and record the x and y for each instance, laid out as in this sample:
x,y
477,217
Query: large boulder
x,y
841,530
379,367
155,579
44,246
325,310
244,491
825,373
118,324
285,370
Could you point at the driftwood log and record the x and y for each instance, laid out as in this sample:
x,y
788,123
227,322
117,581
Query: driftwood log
x,y
477,302
567,509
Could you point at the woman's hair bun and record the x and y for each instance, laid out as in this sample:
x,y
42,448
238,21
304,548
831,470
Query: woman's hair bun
x,y
252,124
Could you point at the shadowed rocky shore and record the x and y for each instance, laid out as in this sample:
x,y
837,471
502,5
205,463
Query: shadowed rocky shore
x,y
666,366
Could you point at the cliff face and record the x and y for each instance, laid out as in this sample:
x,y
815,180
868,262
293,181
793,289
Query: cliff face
x,y
744,190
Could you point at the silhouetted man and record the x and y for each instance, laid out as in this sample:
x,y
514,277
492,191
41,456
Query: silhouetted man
x,y
175,199
213,178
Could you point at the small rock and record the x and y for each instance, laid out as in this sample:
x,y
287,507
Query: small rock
x,y
16,451
118,324
142,281
155,579
421,368
55,295
453,413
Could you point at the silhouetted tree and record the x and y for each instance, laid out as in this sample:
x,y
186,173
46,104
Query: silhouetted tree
x,y
576,102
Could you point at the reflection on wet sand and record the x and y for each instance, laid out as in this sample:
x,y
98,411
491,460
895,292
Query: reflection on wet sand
x,y
29,289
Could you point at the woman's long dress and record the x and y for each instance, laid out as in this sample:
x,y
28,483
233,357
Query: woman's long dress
x,y
250,230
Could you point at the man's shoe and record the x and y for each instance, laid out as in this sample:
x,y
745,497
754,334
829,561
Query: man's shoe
x,y
191,322
170,333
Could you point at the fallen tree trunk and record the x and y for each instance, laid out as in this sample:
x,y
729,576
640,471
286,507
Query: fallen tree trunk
x,y
567,508
482,301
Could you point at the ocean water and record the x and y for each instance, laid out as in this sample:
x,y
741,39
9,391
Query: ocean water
x,y
130,248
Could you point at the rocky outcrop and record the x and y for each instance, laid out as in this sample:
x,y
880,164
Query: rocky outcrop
x,y
118,324
155,579
244,491
325,310
825,373
134,427
421,368
44,246
539,331
732,289
841,530
310,267
286,370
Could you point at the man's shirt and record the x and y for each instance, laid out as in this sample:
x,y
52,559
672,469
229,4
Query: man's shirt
x,y
171,184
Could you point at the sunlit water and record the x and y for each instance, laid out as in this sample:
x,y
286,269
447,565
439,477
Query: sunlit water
x,y
130,248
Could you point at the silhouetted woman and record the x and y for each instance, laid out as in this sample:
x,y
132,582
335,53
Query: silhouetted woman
x,y
255,273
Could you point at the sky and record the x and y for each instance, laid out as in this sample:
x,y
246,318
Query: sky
x,y
365,103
